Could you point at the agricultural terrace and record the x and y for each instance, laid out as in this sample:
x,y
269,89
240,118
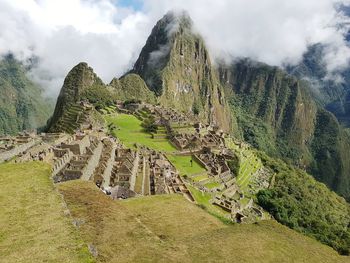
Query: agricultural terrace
x,y
249,163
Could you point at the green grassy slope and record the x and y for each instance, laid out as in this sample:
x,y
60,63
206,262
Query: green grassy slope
x,y
33,227
129,131
171,229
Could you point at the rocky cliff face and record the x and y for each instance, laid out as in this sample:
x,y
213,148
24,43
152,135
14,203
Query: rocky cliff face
x,y
287,121
22,102
176,65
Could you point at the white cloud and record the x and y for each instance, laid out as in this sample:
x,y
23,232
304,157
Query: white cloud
x,y
61,33
272,31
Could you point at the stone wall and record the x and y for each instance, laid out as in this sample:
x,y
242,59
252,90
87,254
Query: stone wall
x,y
77,146
4,156
61,162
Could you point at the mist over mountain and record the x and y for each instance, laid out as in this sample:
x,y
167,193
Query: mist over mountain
x,y
109,36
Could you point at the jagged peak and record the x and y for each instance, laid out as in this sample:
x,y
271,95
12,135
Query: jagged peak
x,y
82,72
177,20
114,82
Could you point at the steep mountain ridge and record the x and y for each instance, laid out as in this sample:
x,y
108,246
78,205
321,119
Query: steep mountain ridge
x,y
277,113
23,105
176,65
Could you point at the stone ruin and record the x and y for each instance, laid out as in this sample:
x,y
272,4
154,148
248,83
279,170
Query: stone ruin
x,y
122,173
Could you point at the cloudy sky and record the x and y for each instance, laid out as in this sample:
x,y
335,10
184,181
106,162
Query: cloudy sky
x,y
109,34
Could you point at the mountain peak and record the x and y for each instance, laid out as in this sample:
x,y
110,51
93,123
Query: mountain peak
x,y
176,20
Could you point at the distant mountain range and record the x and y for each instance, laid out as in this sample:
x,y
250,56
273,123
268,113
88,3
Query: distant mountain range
x,y
23,105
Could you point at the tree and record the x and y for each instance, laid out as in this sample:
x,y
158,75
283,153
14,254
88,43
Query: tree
x,y
149,125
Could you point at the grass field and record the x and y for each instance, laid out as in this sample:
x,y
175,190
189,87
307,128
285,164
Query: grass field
x,y
183,164
170,229
129,131
33,227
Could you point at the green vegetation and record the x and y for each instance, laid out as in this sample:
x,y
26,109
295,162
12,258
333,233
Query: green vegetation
x,y
99,96
168,228
247,161
276,113
149,125
212,185
129,130
183,164
22,102
307,206
33,227
200,178
132,86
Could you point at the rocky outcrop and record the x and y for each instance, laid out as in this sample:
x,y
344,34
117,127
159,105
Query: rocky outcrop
x,y
176,65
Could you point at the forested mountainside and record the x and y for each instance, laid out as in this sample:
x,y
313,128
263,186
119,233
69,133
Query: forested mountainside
x,y
332,91
132,86
23,105
277,113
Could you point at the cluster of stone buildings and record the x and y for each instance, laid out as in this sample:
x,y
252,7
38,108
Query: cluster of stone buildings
x,y
91,155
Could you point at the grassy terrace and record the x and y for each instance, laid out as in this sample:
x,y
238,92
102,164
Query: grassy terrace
x,y
183,164
33,227
249,164
129,131
168,228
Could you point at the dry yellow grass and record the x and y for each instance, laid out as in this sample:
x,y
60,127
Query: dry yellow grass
x,y
33,227
170,229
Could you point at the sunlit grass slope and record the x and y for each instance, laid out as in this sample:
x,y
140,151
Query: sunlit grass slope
x,y
33,227
168,228
129,131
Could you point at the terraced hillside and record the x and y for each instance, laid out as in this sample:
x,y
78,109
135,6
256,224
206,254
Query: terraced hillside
x,y
171,229
71,119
